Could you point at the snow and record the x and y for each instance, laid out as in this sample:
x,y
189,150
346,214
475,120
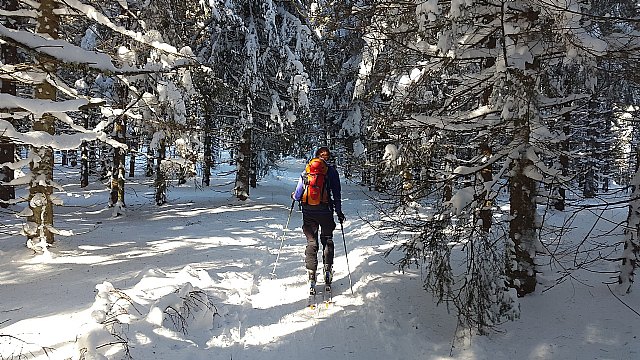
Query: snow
x,y
461,200
374,45
358,148
391,156
39,106
353,122
128,270
62,142
59,49
426,11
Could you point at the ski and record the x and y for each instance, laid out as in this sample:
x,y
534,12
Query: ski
x,y
327,297
313,301
320,299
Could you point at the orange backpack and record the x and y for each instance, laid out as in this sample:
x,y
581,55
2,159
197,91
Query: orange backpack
x,y
315,182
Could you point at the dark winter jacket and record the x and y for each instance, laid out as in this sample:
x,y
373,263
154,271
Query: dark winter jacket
x,y
335,199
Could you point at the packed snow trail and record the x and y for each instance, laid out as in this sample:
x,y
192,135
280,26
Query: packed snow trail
x,y
276,323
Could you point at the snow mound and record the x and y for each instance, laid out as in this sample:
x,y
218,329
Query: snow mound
x,y
163,313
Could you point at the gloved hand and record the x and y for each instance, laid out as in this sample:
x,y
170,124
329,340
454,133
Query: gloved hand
x,y
341,217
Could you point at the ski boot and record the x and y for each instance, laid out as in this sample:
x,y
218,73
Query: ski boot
x,y
328,277
312,282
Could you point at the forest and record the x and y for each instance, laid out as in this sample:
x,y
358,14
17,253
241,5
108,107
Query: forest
x,y
467,121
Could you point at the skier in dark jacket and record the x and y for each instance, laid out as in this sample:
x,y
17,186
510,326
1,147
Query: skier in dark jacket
x,y
320,216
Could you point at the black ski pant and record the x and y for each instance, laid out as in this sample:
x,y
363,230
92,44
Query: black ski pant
x,y
310,224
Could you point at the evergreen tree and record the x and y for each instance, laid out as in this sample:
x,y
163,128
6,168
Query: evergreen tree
x,y
448,80
53,63
259,49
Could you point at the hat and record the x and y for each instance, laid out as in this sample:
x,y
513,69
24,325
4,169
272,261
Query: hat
x,y
322,149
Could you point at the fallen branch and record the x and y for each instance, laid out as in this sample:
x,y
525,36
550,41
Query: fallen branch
x,y
623,303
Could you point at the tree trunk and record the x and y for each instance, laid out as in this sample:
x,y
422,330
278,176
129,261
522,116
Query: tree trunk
x,y
104,163
560,195
7,147
606,148
149,167
160,181
631,253
379,176
84,164
132,164
590,185
41,188
132,156
84,158
487,177
7,155
116,199
447,190
521,273
92,158
522,243
206,166
367,174
73,158
253,172
407,187
590,180
486,173
241,189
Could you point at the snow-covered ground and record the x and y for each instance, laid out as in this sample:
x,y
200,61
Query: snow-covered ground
x,y
127,270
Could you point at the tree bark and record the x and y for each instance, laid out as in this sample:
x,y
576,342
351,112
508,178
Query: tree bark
x,y
117,170
241,189
148,172
84,158
522,243
206,166
253,171
160,181
84,164
7,155
590,180
9,55
520,266
132,155
631,253
447,190
486,174
41,187
92,158
560,200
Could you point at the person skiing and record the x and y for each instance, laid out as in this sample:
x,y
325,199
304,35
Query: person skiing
x,y
318,215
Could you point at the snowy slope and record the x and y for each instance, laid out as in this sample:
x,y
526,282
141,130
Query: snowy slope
x,y
205,240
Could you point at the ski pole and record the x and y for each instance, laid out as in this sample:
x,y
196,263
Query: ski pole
x,y
345,255
286,227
